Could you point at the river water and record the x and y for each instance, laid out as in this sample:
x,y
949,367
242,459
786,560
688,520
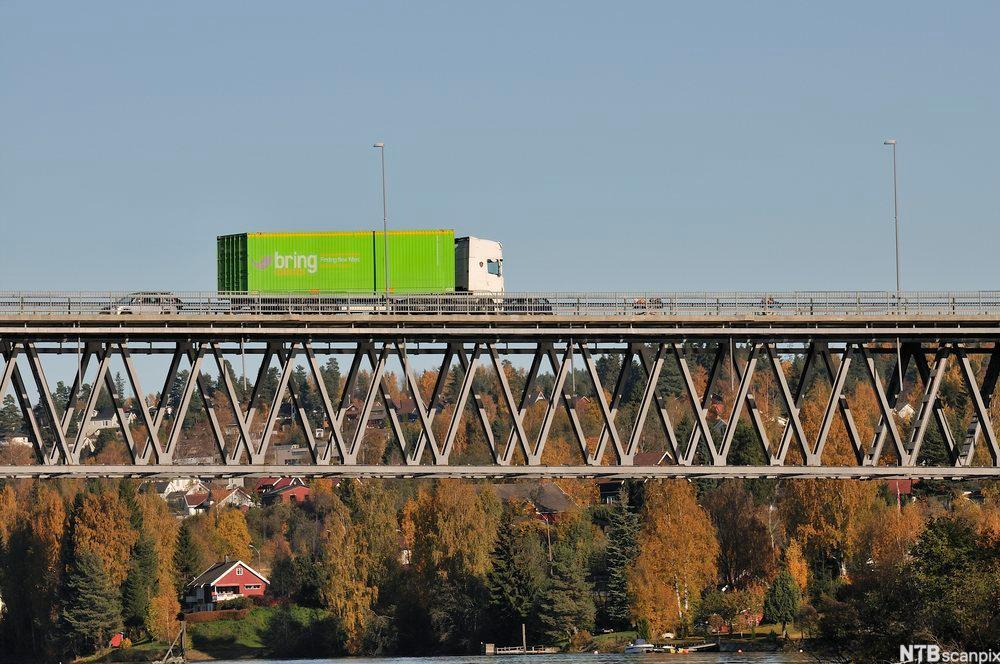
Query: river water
x,y
583,658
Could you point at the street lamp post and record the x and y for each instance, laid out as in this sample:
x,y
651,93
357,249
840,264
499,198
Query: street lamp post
x,y
385,224
895,206
895,214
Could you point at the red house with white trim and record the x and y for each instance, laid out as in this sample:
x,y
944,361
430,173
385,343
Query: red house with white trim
x,y
223,581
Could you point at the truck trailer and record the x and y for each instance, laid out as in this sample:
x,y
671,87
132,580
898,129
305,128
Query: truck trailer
x,y
419,261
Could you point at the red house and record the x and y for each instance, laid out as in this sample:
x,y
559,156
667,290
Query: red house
x,y
293,493
221,582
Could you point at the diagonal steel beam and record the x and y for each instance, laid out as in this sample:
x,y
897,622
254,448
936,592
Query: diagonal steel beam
x,y
180,412
332,415
792,406
888,414
951,447
481,412
297,404
24,401
391,412
366,408
95,393
842,405
837,380
985,398
435,399
234,402
661,408
152,447
608,411
928,405
561,370
699,405
518,411
123,424
796,407
10,361
981,420
162,405
48,405
279,396
426,418
742,393
653,369
533,454
207,403
901,365
470,365
74,391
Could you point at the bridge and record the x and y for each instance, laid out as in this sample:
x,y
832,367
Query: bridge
x,y
722,352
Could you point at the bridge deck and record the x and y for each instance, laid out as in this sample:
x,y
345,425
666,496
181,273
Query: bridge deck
x,y
901,347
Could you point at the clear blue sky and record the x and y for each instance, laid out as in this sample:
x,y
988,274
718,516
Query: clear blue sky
x,y
609,146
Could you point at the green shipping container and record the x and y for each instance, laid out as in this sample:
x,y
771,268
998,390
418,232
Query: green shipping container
x,y
420,261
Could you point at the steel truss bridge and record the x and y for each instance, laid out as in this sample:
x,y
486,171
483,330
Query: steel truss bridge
x,y
749,332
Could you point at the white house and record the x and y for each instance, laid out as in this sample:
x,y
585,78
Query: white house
x,y
103,420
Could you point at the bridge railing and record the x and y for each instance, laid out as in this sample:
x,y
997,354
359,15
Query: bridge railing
x,y
735,303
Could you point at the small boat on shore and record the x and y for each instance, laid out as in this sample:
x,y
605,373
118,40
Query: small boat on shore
x,y
638,647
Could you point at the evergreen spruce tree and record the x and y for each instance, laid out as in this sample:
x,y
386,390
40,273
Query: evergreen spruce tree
x,y
10,417
91,613
513,583
187,558
137,590
622,549
782,600
568,604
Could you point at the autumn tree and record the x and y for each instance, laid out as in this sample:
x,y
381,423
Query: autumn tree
x,y
889,534
452,526
344,590
745,551
8,514
102,526
162,529
233,536
376,526
33,573
749,604
797,565
677,558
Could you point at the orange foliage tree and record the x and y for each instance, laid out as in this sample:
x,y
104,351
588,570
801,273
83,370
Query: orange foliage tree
x,y
451,527
102,526
677,558
162,528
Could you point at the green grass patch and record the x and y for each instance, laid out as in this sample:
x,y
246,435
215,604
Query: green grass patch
x,y
143,651
614,641
246,637
232,638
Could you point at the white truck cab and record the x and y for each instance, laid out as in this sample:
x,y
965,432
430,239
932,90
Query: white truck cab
x,y
478,265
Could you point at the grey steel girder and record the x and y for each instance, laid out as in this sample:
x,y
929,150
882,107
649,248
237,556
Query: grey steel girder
x,y
645,351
